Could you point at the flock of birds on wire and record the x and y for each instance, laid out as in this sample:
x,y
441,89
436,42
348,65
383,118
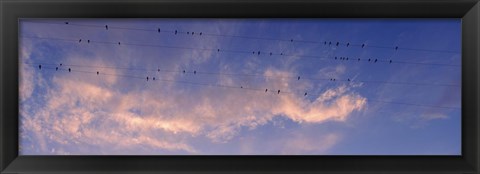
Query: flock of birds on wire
x,y
147,78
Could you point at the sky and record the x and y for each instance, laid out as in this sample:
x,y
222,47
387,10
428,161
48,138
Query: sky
x,y
250,87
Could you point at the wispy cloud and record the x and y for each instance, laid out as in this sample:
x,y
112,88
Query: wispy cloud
x,y
86,113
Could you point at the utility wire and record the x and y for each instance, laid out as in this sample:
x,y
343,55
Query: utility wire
x,y
298,77
161,30
152,79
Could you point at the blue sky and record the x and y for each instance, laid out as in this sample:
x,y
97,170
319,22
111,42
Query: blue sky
x,y
407,107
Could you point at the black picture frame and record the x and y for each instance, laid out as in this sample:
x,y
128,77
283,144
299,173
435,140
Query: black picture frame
x,y
11,11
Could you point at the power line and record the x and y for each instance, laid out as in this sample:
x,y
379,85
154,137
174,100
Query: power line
x,y
277,91
253,52
298,77
159,30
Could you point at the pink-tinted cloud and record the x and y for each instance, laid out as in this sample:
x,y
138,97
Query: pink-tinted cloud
x,y
77,103
103,110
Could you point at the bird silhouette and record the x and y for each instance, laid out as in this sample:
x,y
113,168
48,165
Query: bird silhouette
x,y
183,71
188,32
258,52
278,92
358,59
363,45
200,33
291,40
39,66
298,78
270,53
88,41
69,70
61,64
80,40
193,32
369,60
118,43
325,43
390,61
106,27
56,68
175,32
335,57
147,78
153,78
348,79
375,60
329,43
97,72
66,22
218,50
159,30
348,44
158,69
396,48
305,94
337,44
266,90
241,87
194,72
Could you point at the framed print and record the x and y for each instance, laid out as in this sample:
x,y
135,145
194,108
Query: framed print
x,y
239,87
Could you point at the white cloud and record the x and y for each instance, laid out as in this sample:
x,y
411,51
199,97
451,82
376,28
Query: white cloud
x,y
217,114
26,83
